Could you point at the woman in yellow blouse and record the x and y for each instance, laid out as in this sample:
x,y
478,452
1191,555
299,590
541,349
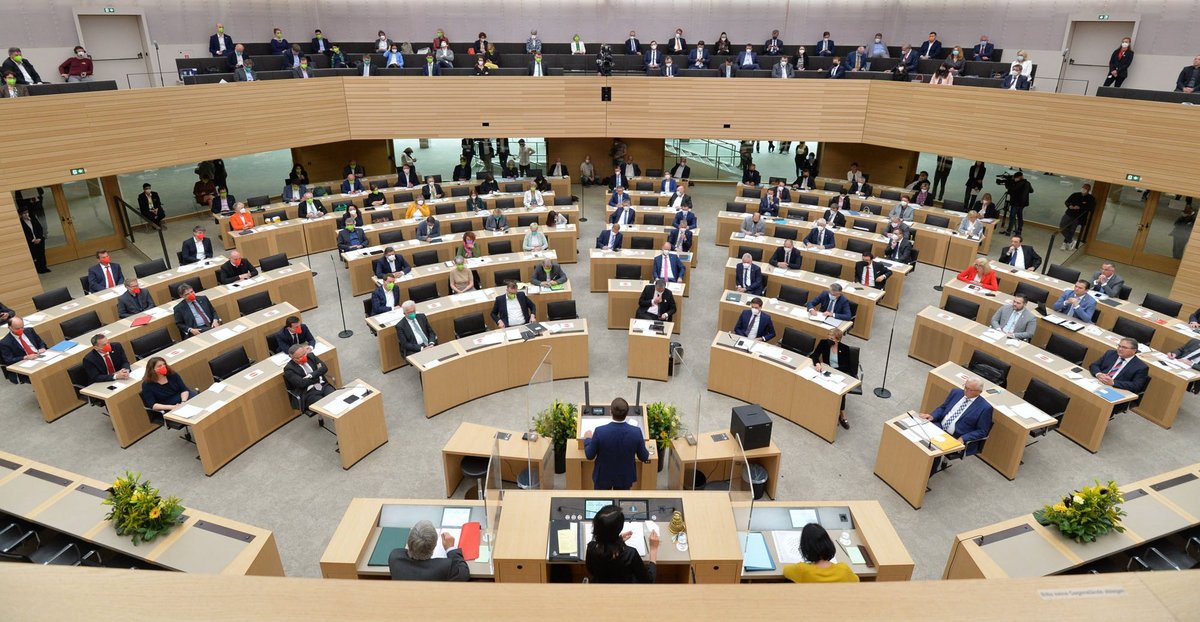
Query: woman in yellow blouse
x,y
416,209
818,549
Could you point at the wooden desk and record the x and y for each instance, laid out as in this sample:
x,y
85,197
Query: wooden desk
x,y
441,313
360,427
1157,506
713,556
515,454
456,372
659,234
729,233
348,554
783,315
1005,445
68,503
781,382
649,351
292,284
562,239
159,285
604,264
623,297
864,297
48,322
715,459
906,464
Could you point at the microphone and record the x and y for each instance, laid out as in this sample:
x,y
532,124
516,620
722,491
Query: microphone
x,y
155,44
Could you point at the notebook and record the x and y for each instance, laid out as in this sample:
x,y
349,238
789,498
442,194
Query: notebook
x,y
390,539
755,555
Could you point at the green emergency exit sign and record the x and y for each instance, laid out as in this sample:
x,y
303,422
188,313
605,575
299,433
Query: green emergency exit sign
x,y
1132,177
1102,18
109,9
78,171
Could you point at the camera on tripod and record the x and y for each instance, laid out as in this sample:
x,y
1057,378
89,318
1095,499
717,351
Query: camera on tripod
x,y
604,60
1004,179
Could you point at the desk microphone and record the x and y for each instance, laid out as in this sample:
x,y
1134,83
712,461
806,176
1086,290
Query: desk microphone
x,y
921,431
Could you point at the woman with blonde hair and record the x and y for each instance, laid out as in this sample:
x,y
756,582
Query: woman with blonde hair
x,y
980,273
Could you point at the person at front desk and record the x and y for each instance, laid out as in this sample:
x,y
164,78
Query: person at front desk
x,y
1121,368
20,344
513,308
769,205
832,303
235,269
194,314
609,559
135,300
1076,303
415,561
196,248
351,185
820,236
614,447
656,302
980,273
786,256
964,415
350,238
385,297
818,551
754,324
163,390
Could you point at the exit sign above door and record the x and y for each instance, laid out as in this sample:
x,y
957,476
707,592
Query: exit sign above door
x,y
1102,18
1132,177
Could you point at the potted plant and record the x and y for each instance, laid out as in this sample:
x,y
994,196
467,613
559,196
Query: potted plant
x,y
1085,514
662,421
557,423
138,511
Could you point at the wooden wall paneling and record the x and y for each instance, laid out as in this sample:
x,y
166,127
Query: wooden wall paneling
x,y
1186,288
325,162
21,282
885,165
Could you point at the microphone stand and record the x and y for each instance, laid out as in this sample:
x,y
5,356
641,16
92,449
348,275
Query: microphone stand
x,y
942,279
346,332
161,80
881,391
304,234
582,198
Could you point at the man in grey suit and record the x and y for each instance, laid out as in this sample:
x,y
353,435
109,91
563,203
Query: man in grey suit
x,y
414,562
549,273
1189,352
135,300
1107,281
1015,320
753,224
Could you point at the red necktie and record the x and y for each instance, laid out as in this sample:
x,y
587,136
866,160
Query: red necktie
x,y
867,275
108,364
24,341
200,312
108,275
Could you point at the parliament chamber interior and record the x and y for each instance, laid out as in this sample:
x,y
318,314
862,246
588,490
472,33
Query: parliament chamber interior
x,y
308,308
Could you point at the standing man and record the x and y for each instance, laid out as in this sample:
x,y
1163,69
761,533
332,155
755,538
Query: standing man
x,y
220,44
1079,208
105,274
1019,190
974,184
941,174
36,239
523,155
613,447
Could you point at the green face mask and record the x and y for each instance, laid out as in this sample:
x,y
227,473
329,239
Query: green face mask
x,y
304,65
223,195
460,267
512,296
18,58
10,81
220,31
320,36
349,227
278,36
366,62
336,51
389,286
412,316
546,269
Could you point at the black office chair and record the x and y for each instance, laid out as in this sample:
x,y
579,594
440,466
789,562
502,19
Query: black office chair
x,y
867,225
937,221
798,341
645,201
402,197
229,363
752,193
146,345
1035,295
913,263
179,258
1125,292
1067,349
955,206
506,203
851,361
423,292
424,258
258,201
786,233
197,286
656,220
755,252
853,310
989,368
79,381
858,246
87,323
366,303
962,306
893,195
254,303
501,277
1063,273
524,220
150,267
644,186
793,214
273,262
1126,327
641,242
381,217
561,310
793,295
564,200
870,209
1162,304
442,209
460,226
502,247
280,214
828,268
468,325
391,236
810,199
832,186
1048,400
514,187
628,271
83,284
52,298
460,191
737,208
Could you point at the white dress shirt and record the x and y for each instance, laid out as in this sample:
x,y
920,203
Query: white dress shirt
x,y
516,315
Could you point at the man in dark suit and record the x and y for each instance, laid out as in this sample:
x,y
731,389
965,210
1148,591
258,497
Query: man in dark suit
x,y
656,302
548,273
352,185
150,206
293,333
247,72
6,314
1189,77
699,58
320,44
632,45
20,344
513,308
104,274
768,205
219,43
984,50
837,71
414,332
899,249
1121,368
236,269
684,215
429,229
194,314
236,57
614,446
908,58
786,256
652,60
781,192
871,273
755,324
748,276
222,203
135,300
834,216
774,45
1015,80
106,361
820,236
623,215
668,266
1020,256
825,45
681,237
610,239
830,303
680,199
668,70
751,177
862,188
406,177
681,170
391,263
931,48
197,247
431,190
35,238
747,59
20,67
964,415
385,297
415,561
305,375
1107,281
350,238
430,68
292,57
974,185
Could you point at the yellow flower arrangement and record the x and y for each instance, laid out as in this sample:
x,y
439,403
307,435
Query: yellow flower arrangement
x,y
138,511
1087,513
663,422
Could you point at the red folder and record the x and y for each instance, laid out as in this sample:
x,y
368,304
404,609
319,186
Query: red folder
x,y
468,541
140,320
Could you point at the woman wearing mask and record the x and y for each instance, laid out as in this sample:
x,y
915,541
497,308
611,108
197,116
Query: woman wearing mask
x,y
475,202
534,240
241,219
956,62
462,279
801,61
469,249
943,76
1026,64
723,45
383,43
393,57
832,352
489,185
163,390
986,208
299,175
417,209
1118,64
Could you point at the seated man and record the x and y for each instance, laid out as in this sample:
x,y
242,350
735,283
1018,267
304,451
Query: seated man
x,y
1121,368
222,203
768,205
871,273
830,303
429,230
610,239
786,256
20,344
753,225
681,237
194,314
668,185
549,273
680,200
624,215
235,269
135,300
1107,281
415,561
668,266
104,274
294,191
752,177
197,248
513,308
305,374
350,238
385,297
1020,256
899,249
903,211
896,225
352,185
781,192
656,302
1014,320
835,215
755,324
391,263
1076,303
310,207
964,415
685,214
748,276
293,333
106,361
431,190
414,332
819,237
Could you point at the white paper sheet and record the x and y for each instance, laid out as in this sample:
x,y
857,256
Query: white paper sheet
x,y
802,517
455,517
787,546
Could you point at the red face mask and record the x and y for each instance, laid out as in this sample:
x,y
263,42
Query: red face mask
x,y
303,360
136,290
235,262
18,331
107,348
161,369
200,236
298,329
105,260
191,297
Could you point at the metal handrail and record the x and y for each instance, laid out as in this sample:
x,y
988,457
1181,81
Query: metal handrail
x,y
127,229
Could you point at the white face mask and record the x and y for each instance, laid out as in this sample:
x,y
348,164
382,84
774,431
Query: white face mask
x,y
81,54
878,40
1124,44
1021,58
904,204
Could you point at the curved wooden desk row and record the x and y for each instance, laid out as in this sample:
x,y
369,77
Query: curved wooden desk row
x,y
603,265
783,315
71,504
458,371
1156,507
486,268
657,234
442,311
864,297
623,297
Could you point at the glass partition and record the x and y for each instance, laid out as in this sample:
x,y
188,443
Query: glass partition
x,y
741,491
539,395
691,429
441,155
723,159
89,209
492,494
1122,213
1046,204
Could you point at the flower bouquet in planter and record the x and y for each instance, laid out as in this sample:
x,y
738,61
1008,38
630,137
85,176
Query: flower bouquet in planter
x,y
557,423
1087,513
138,511
663,425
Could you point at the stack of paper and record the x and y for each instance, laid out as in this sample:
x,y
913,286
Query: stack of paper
x,y
186,411
439,552
802,517
1029,411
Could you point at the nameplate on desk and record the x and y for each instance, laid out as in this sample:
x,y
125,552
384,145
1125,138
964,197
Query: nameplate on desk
x,y
93,491
992,538
223,531
1171,483
174,353
9,464
47,477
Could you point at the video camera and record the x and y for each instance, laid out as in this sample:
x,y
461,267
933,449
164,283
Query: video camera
x,y
604,60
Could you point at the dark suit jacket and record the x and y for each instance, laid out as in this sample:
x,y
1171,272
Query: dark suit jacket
x,y
189,250
408,339
242,74
684,174
614,446
11,65
452,568
973,425
289,59
1022,82
767,206
1032,259
425,231
931,48
821,355
96,280
346,239
556,275
1120,64
185,319
837,72
285,338
12,352
97,371
793,260
303,205
379,300
348,187
982,51
128,304
37,233
214,44
299,73
500,308
437,188
667,306
602,241
404,181
687,200
865,188
766,328
674,235
836,219
544,67
144,204
1133,377
880,270
909,61
902,252
756,281
293,374
677,268
751,177
434,69
382,269
814,235
840,307
1186,349
215,205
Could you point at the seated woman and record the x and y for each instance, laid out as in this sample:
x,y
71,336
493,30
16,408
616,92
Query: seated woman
x,y
375,198
818,550
943,76
299,175
162,389
204,191
417,209
541,183
462,279
534,240
832,352
980,273
554,219
497,221
469,249
489,185
475,202
241,218
610,560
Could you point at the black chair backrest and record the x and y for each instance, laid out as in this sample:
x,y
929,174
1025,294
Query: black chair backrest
x,y
1126,327
752,193
254,302
424,258
391,236
641,242
258,201
739,208
402,197
755,252
52,298
797,341
645,200
83,284
150,267
506,203
794,214
78,377
381,217
828,268
853,309
937,221
423,292
499,248
654,172
1126,290
366,303
197,286
514,187
810,199
1162,304
832,186
645,186
460,191
1046,398
962,306
628,271
893,195
793,295
460,226
849,362
273,262
150,343
503,276
561,310
468,325
867,225
280,214
1067,348
1034,294
443,208
858,246
1062,273
653,219
989,368
525,220
83,324
229,363
786,233
563,199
